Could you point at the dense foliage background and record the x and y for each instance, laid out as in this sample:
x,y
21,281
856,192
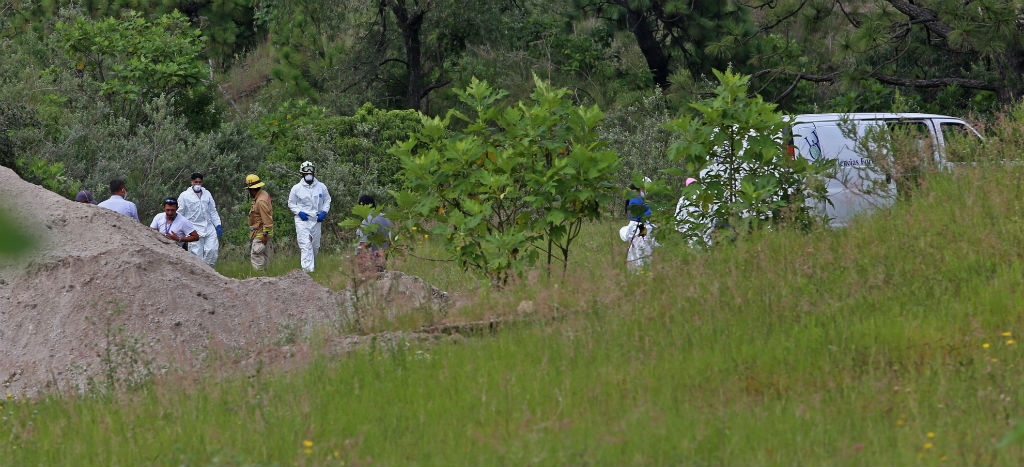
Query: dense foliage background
x,y
152,91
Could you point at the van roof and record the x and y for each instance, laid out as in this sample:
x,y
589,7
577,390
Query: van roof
x,y
867,116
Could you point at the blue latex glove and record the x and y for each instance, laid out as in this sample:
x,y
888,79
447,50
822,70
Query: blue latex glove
x,y
320,217
220,231
303,216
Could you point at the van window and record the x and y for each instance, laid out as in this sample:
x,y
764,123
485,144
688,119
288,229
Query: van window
x,y
959,140
911,145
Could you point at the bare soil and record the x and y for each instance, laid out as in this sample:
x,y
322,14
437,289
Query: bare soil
x,y
94,274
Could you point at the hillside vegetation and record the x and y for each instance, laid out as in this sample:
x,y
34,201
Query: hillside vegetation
x,y
500,137
891,342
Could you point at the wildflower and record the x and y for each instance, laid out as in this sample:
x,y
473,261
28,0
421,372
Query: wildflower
x,y
985,345
995,360
414,227
927,445
931,435
943,458
10,396
307,451
1007,334
307,443
900,422
1010,342
336,453
426,235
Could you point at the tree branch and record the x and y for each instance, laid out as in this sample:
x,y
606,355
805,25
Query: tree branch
x,y
922,15
894,80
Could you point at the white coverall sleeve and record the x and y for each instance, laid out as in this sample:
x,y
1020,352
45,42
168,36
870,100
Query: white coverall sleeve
x,y
293,201
184,206
326,205
213,216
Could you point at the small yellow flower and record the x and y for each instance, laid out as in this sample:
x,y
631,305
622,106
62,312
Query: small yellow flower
x,y
995,359
307,451
307,443
1007,334
985,345
10,396
426,235
931,435
943,458
414,227
900,422
927,445
1010,342
336,453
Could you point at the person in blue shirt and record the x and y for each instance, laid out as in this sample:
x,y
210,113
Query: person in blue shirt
x,y
641,213
117,203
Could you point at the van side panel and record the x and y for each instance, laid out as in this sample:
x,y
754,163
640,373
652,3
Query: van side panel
x,y
856,187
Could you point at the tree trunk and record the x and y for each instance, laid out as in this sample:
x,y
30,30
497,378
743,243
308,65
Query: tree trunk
x,y
411,25
648,43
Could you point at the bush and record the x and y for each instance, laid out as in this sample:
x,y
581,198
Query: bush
x,y
511,188
746,180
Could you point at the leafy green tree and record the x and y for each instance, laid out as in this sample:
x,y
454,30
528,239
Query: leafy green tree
x,y
134,60
736,148
512,187
228,25
925,45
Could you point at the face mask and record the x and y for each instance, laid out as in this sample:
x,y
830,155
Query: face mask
x,y
197,188
308,178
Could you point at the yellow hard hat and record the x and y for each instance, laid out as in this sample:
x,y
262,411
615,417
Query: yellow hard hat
x,y
253,181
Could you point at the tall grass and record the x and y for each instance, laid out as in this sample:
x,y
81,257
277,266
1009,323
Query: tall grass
x,y
890,342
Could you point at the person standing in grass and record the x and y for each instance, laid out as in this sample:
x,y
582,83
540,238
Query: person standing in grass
x,y
637,233
374,238
261,222
198,206
310,201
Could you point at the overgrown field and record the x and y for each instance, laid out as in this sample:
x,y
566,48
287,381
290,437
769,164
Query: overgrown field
x,y
891,342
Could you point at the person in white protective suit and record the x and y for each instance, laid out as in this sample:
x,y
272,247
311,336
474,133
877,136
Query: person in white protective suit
x,y
197,205
310,202
641,244
638,232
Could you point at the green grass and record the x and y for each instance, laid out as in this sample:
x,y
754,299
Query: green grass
x,y
832,348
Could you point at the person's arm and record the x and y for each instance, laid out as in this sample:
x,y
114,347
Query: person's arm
x,y
266,214
326,207
213,210
155,225
293,201
192,237
184,207
135,213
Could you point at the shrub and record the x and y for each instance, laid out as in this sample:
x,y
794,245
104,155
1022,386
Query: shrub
x,y
511,188
746,180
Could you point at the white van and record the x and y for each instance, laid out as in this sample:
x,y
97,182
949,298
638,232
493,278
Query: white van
x,y
858,186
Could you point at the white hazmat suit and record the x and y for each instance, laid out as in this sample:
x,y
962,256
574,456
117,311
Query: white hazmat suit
x,y
312,199
201,210
641,244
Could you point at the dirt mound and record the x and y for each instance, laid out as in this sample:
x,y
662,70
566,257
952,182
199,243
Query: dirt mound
x,y
96,277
